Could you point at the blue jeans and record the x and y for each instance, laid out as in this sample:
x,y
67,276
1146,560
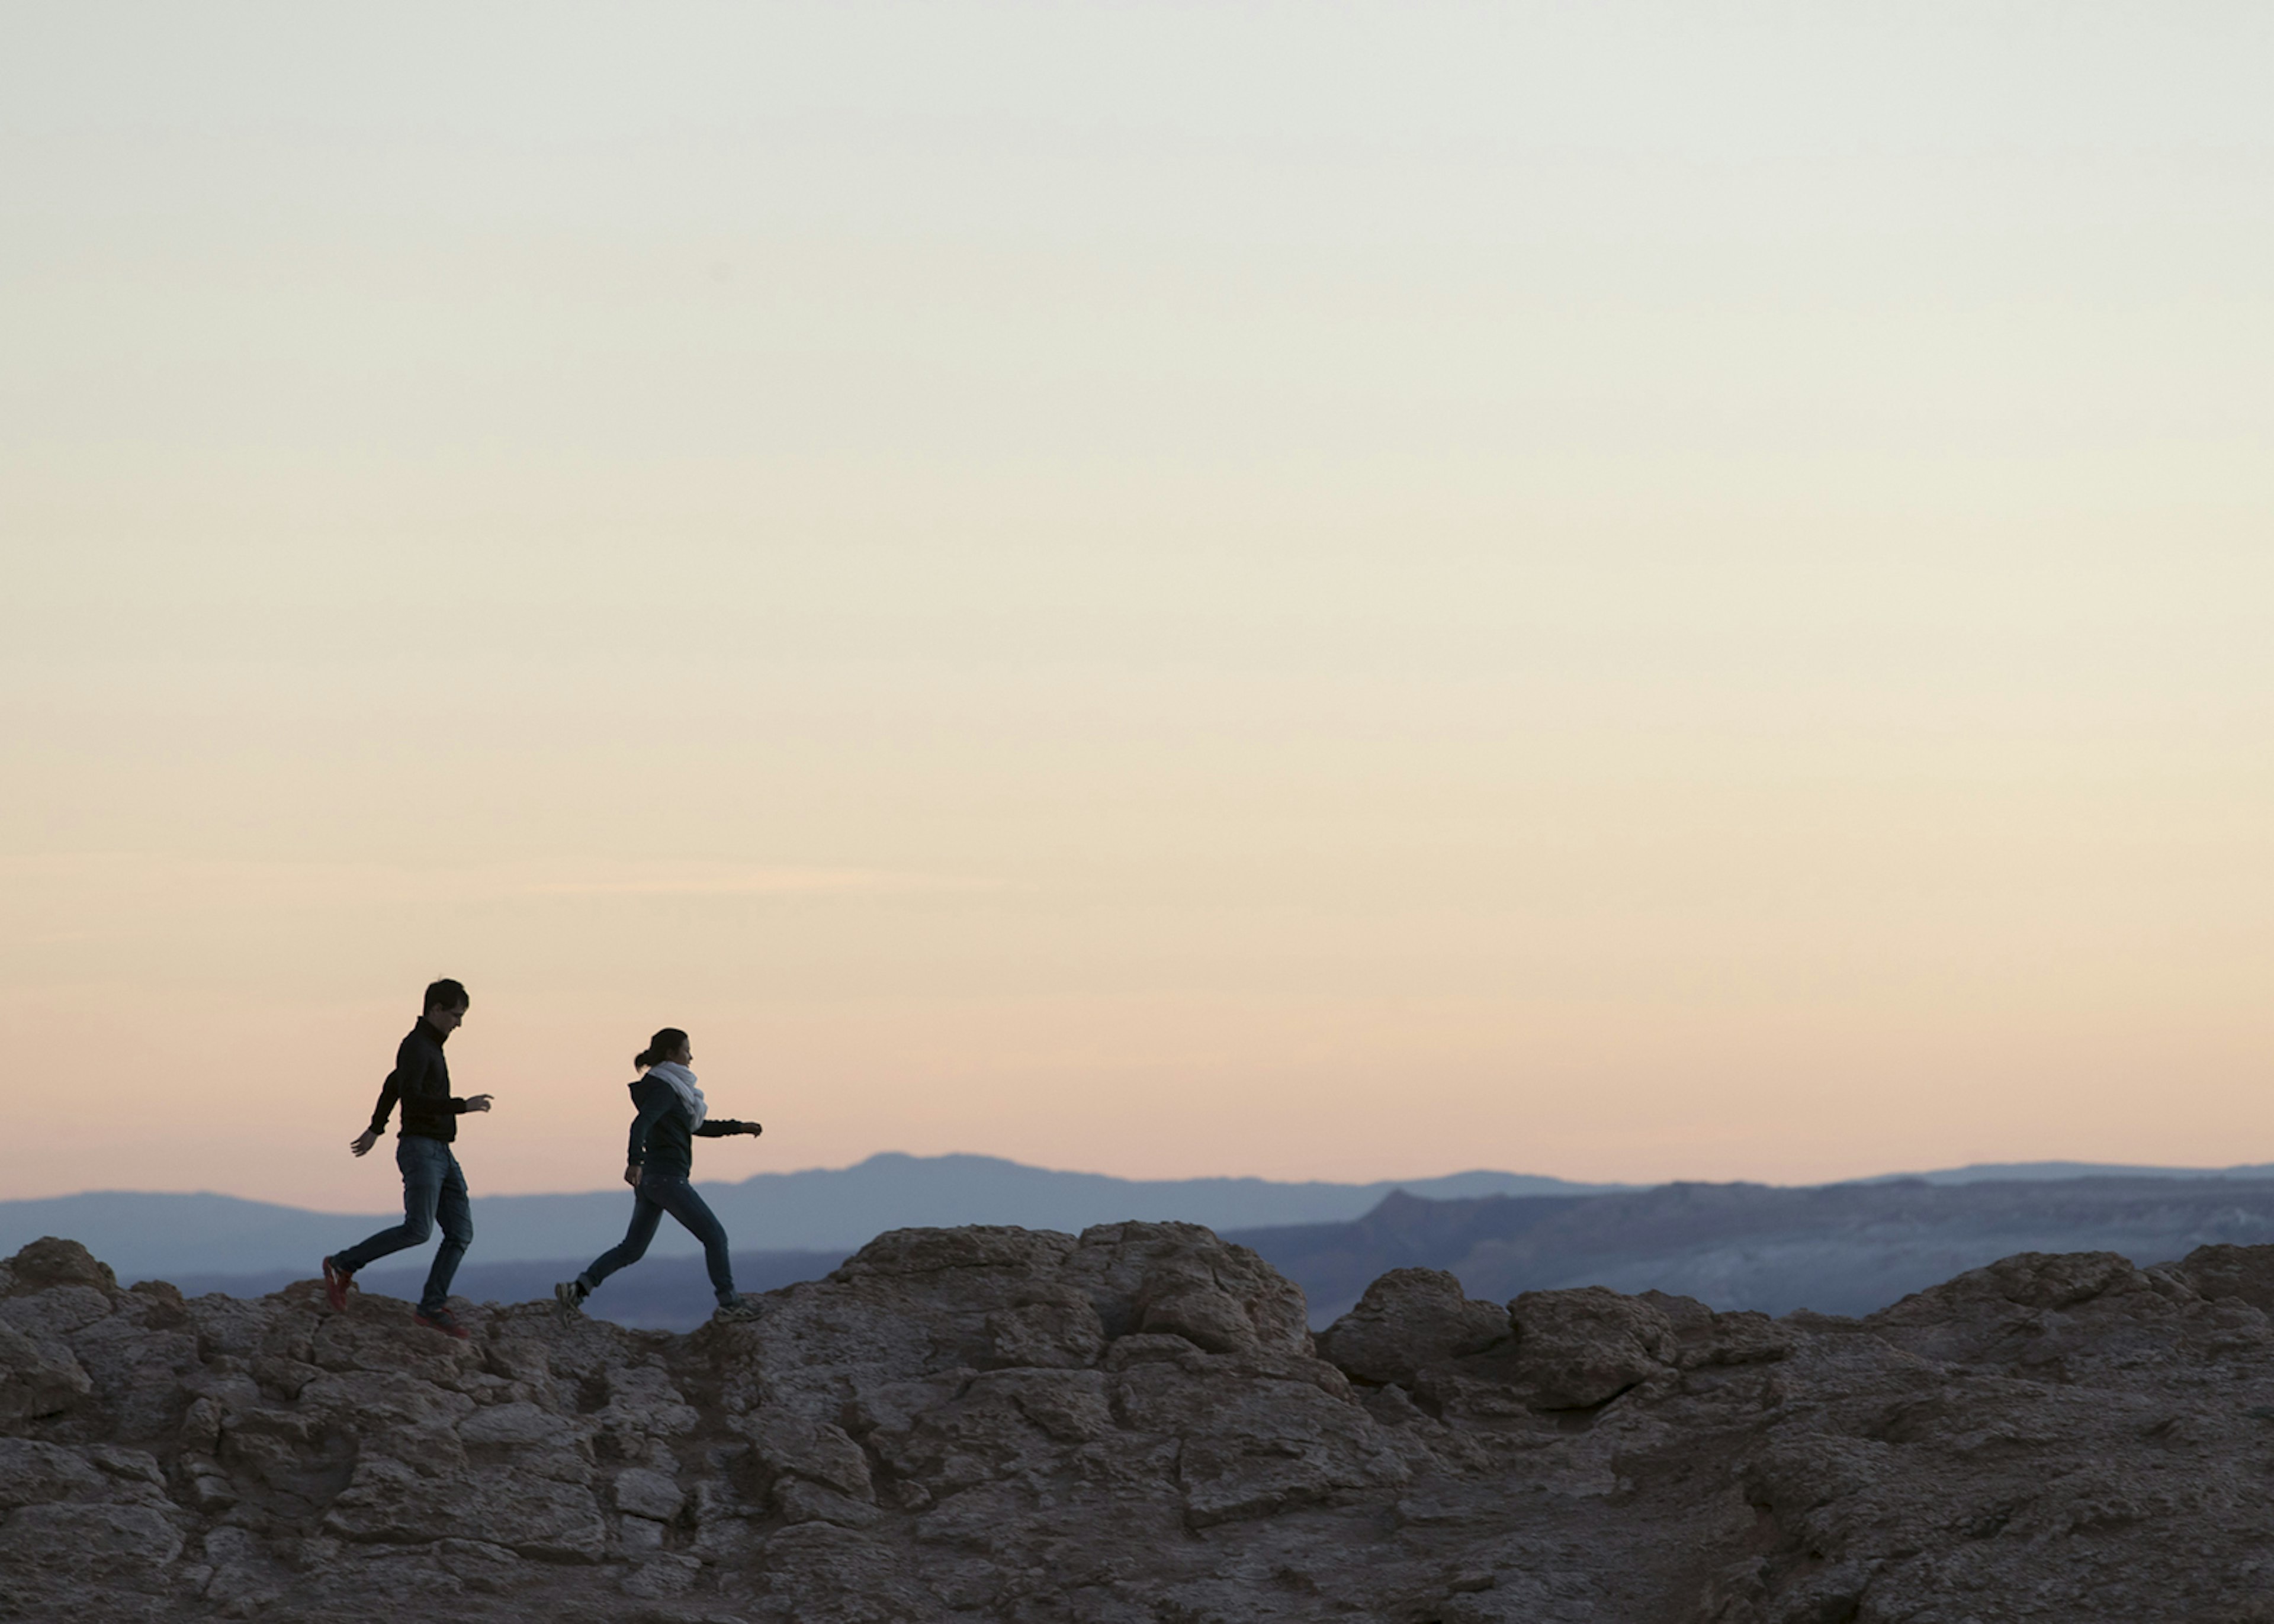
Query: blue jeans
x,y
655,1197
434,1188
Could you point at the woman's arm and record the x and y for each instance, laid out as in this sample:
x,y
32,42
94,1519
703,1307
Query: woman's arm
x,y
720,1127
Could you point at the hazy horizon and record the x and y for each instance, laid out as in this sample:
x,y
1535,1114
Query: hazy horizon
x,y
1276,591
613,1186
2033,1171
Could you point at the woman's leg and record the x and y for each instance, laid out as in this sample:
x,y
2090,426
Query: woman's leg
x,y
677,1197
645,1215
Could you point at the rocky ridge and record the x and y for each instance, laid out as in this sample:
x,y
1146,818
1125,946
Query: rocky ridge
x,y
1134,1427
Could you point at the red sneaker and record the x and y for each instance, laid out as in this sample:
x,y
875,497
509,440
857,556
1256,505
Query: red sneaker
x,y
441,1320
336,1281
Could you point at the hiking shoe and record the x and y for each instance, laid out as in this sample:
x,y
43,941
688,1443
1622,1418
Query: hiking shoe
x,y
336,1281
570,1295
441,1320
742,1309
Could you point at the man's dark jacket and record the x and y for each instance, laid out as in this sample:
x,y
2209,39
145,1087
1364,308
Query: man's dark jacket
x,y
421,1080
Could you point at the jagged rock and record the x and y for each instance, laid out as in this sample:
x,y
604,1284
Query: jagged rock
x,y
49,1262
31,1472
38,1377
1581,1348
819,1451
1130,1426
131,1543
480,1566
1703,1337
1408,1319
2244,1274
641,1493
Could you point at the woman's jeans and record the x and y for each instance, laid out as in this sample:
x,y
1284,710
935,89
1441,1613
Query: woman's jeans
x,y
655,1197
432,1189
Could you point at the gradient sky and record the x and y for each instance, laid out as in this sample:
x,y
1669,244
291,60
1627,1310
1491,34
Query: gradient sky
x,y
1624,590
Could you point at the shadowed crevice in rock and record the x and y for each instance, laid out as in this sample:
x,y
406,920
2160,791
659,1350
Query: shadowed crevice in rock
x,y
1134,1427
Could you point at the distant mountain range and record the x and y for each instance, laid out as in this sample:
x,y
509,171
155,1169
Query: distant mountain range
x,y
832,1210
1846,1248
1839,1249
2008,1172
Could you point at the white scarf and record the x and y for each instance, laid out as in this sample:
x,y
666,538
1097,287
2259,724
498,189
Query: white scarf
x,y
682,1084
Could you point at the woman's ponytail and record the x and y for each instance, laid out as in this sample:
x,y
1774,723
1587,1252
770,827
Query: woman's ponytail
x,y
661,1047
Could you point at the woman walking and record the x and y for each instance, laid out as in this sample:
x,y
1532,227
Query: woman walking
x,y
671,1116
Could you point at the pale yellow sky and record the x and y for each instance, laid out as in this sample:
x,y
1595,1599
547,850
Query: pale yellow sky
x,y
1629,591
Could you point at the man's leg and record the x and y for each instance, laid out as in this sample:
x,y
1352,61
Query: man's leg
x,y
678,1198
645,1215
455,1212
422,1187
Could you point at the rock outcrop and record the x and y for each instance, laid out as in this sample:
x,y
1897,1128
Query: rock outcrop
x,y
1134,1427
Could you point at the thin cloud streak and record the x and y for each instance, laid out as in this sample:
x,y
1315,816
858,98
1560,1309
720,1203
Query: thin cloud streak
x,y
770,883
270,881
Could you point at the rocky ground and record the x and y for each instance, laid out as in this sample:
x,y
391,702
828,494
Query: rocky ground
x,y
1135,1427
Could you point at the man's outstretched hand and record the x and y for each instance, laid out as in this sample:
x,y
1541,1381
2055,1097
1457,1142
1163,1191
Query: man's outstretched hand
x,y
478,1103
363,1142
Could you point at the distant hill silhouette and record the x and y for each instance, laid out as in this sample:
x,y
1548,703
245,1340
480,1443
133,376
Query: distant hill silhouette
x,y
2007,1172
1843,1249
825,1209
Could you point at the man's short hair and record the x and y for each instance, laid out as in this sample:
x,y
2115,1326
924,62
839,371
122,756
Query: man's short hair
x,y
445,994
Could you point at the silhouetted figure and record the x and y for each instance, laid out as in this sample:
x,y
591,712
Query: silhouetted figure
x,y
671,1116
433,1186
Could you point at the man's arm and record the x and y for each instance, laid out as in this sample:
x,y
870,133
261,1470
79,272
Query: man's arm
x,y
388,1092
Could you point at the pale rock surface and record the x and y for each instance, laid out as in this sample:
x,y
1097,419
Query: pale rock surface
x,y
1133,1426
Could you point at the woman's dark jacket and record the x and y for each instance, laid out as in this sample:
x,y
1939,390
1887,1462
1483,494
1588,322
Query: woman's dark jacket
x,y
660,1139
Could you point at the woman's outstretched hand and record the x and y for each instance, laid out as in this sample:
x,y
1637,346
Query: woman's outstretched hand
x,y
752,1128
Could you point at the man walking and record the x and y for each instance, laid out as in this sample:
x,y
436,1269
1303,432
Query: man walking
x,y
433,1185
